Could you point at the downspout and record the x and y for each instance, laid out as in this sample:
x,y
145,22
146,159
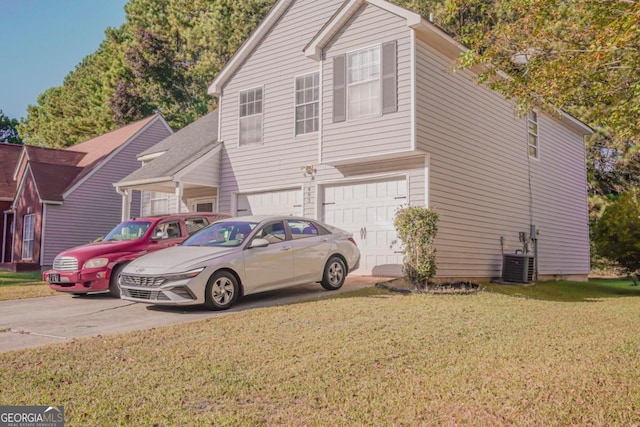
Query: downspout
x,y
43,224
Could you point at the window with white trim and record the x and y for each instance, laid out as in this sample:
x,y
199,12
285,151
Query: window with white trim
x,y
532,129
250,116
307,103
28,226
363,82
159,204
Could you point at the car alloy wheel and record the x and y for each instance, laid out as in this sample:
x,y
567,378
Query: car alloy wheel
x,y
335,273
222,291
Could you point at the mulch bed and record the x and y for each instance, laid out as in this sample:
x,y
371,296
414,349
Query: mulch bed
x,y
402,285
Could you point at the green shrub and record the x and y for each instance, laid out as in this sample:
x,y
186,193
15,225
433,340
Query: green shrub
x,y
416,227
617,233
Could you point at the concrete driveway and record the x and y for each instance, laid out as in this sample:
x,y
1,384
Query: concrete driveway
x,y
38,321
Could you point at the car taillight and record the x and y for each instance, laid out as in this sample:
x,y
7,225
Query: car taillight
x,y
353,241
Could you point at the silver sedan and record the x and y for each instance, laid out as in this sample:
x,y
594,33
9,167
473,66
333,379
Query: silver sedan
x,y
241,256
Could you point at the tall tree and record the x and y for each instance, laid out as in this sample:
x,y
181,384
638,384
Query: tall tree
x,y
9,130
569,54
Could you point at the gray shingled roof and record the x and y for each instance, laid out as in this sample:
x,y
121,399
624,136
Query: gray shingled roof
x,y
204,127
182,148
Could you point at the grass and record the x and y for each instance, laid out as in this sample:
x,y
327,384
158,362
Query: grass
x,y
367,358
23,285
559,290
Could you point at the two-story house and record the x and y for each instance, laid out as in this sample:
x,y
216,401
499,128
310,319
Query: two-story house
x,y
344,110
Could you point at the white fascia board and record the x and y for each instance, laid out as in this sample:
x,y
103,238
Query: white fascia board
x,y
158,180
576,124
278,9
412,18
20,159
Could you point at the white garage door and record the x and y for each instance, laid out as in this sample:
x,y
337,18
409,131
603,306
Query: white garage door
x,y
282,202
367,210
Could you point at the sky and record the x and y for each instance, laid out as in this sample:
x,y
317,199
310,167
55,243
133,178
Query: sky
x,y
43,40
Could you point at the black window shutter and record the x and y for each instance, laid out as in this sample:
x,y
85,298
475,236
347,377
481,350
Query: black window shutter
x,y
339,88
389,78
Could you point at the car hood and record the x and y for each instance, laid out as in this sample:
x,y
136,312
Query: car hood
x,y
176,260
93,250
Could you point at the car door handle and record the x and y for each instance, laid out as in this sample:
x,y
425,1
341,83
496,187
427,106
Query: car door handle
x,y
285,249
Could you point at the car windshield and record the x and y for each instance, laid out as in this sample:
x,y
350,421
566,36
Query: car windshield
x,y
226,234
130,230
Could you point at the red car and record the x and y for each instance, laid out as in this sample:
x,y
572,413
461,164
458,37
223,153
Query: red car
x,y
95,267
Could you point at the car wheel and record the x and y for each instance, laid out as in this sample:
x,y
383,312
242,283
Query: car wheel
x,y
114,286
334,274
222,291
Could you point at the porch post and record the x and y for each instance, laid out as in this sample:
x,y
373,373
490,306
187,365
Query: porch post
x,y
179,192
126,202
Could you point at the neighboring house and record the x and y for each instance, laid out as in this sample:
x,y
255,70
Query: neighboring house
x,y
345,110
65,197
9,154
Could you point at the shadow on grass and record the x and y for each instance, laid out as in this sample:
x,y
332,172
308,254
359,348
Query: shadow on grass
x,y
565,291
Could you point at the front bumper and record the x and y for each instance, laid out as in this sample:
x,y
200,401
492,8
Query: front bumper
x,y
77,281
153,290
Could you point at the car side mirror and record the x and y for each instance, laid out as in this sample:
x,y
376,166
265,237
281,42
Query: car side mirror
x,y
259,243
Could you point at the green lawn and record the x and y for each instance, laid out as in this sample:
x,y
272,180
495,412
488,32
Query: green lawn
x,y
368,358
23,285
559,290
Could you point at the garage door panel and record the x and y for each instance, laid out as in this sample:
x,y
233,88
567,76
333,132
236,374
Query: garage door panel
x,y
369,207
281,202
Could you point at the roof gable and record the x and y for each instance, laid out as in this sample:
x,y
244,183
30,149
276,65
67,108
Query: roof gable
x,y
344,13
182,149
51,180
103,145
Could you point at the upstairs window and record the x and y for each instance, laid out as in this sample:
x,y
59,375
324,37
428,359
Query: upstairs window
x,y
251,116
363,83
307,103
532,123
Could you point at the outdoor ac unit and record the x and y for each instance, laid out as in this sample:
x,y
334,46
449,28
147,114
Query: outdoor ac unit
x,y
518,268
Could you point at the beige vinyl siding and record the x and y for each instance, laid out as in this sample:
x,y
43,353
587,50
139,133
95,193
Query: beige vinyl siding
x,y
273,65
171,202
560,199
94,207
376,134
207,173
479,176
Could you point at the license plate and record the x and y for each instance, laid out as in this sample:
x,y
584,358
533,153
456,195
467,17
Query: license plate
x,y
54,277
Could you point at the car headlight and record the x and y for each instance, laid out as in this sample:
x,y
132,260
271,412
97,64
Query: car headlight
x,y
183,276
96,263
